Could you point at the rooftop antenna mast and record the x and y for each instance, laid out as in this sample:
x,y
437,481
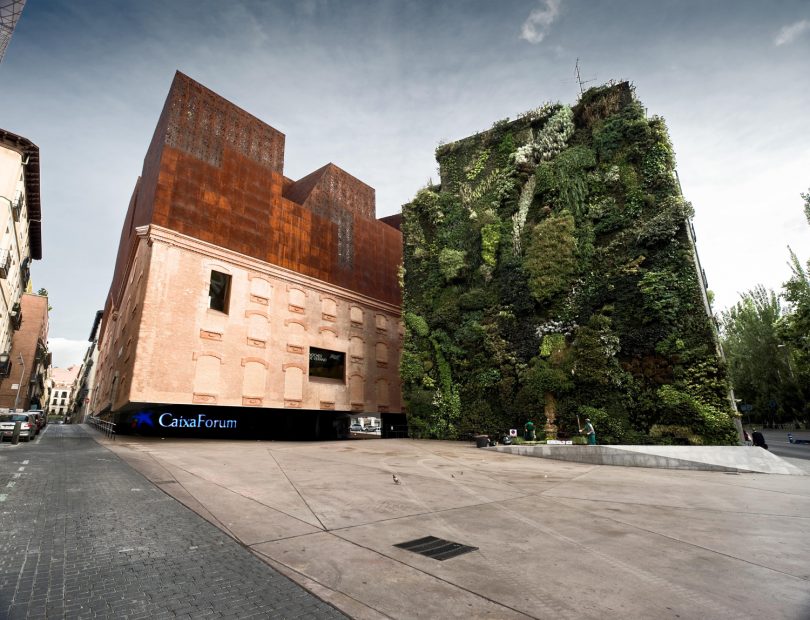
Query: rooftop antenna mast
x,y
580,81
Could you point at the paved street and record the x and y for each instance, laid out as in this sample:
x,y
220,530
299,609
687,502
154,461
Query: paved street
x,y
82,535
796,453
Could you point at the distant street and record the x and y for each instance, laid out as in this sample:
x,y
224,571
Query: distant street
x,y
777,441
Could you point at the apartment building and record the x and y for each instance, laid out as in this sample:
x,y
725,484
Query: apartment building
x,y
20,241
63,388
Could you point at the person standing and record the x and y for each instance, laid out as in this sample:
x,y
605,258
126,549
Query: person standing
x,y
528,429
589,431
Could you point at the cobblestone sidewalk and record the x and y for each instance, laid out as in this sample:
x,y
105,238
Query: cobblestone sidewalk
x,y
82,535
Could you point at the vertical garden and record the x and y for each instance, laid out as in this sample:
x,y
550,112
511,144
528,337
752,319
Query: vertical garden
x,y
551,276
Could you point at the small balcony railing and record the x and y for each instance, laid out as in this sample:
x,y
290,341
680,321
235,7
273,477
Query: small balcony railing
x,y
16,208
5,263
16,316
5,365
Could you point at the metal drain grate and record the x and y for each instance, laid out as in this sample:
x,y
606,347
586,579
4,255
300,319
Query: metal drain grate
x,y
436,548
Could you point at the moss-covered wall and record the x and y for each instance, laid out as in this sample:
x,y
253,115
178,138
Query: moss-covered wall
x,y
550,274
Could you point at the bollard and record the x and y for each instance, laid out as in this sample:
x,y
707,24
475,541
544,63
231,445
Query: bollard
x,y
15,436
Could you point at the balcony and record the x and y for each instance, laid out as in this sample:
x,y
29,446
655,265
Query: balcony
x,y
16,316
5,365
25,272
16,208
5,263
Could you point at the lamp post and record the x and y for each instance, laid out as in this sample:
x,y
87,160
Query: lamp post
x,y
19,387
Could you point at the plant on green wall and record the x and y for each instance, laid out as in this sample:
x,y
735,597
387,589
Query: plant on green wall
x,y
551,256
551,270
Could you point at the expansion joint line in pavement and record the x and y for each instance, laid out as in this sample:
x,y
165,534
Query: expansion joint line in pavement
x,y
401,563
711,607
410,515
223,487
213,517
671,507
681,541
292,484
274,563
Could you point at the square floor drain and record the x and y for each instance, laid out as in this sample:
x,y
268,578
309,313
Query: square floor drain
x,y
436,548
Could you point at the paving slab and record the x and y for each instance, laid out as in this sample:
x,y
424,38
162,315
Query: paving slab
x,y
554,539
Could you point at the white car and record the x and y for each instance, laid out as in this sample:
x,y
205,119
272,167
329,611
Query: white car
x,y
28,425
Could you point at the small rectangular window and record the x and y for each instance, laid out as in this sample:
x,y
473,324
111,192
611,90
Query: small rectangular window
x,y
219,291
327,364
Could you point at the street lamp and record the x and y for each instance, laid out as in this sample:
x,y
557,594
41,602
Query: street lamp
x,y
22,374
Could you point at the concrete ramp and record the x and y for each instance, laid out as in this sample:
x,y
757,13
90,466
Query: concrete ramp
x,y
701,458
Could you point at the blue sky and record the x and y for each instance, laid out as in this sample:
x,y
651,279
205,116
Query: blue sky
x,y
374,86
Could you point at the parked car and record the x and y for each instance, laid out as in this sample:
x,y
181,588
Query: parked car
x,y
356,428
42,415
28,425
39,415
370,428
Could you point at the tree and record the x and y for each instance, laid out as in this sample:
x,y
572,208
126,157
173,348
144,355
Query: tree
x,y
794,329
758,365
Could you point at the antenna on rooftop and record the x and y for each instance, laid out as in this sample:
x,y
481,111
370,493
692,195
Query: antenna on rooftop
x,y
580,81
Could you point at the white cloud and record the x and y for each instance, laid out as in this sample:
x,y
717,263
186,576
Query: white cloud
x,y
67,352
790,33
537,24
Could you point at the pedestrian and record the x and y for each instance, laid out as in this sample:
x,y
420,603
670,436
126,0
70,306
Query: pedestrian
x,y
589,431
759,440
747,438
528,431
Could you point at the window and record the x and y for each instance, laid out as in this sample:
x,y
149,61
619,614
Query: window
x,y
219,291
327,364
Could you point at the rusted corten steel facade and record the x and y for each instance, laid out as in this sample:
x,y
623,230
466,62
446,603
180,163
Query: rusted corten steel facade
x,y
308,263
215,172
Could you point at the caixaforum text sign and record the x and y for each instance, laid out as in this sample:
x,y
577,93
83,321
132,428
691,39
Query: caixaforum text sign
x,y
186,421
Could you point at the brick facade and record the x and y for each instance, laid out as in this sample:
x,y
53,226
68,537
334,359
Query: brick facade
x,y
30,341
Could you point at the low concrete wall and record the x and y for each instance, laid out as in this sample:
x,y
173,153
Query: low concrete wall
x,y
702,458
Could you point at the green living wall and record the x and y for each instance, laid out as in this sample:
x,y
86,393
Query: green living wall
x,y
550,275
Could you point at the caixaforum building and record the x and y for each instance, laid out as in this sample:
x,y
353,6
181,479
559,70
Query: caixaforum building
x,y
243,302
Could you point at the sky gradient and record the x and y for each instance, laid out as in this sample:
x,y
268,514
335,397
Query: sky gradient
x,y
374,86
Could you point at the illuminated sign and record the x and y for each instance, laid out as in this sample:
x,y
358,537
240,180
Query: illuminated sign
x,y
327,364
169,420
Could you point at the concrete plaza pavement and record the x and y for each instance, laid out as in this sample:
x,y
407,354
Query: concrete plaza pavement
x,y
555,539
